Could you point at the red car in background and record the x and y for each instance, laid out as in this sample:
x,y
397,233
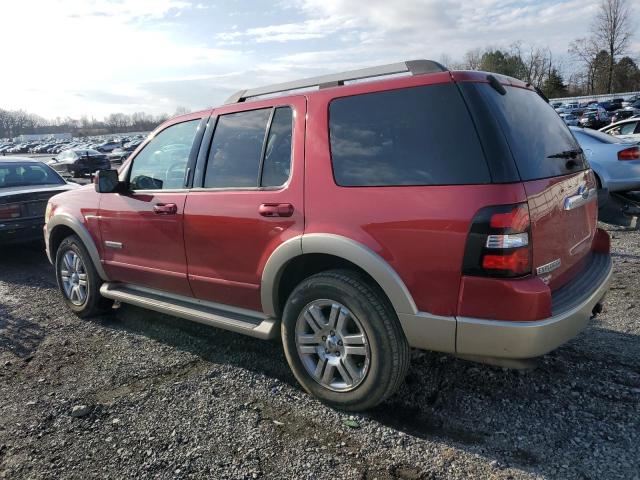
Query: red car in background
x,y
413,207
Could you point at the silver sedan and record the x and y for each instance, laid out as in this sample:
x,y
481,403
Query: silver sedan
x,y
616,163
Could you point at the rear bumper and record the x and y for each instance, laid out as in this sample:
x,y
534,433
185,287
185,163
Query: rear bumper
x,y
21,231
572,308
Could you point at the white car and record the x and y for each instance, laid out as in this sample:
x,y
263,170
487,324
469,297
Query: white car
x,y
570,119
628,129
616,164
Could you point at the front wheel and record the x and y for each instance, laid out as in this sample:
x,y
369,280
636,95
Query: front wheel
x,y
343,340
78,279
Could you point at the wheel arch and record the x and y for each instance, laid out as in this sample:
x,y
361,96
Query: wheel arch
x,y
60,227
338,251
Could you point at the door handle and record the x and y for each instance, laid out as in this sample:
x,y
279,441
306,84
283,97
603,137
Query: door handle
x,y
276,210
165,208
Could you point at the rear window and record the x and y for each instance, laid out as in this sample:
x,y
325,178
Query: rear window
x,y
534,132
596,136
25,174
412,136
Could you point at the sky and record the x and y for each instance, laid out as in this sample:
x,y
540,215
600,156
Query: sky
x,y
94,57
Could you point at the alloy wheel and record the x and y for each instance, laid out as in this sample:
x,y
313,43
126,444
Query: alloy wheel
x,y
74,278
332,345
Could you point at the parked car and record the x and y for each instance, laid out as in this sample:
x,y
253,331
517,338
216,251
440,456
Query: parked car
x,y
107,147
616,164
25,187
569,119
79,162
120,154
357,221
594,118
623,114
627,129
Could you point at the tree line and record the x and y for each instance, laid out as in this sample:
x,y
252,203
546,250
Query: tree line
x,y
601,61
18,122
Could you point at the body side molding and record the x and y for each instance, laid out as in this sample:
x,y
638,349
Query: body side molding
x,y
341,247
273,271
80,230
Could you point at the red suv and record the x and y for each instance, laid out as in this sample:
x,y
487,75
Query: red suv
x,y
427,208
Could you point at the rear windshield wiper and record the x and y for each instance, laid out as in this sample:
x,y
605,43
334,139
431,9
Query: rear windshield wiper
x,y
566,154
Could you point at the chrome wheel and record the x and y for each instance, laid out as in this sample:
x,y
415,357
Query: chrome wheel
x,y
332,345
74,278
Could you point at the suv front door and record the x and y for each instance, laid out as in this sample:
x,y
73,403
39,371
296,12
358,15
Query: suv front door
x,y
247,198
142,229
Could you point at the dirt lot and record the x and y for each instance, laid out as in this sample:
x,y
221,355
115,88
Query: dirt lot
x,y
166,398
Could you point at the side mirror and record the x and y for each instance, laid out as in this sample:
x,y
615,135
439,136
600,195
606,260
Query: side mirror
x,y
106,181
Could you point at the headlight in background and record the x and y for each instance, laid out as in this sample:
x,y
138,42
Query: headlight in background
x,y
48,212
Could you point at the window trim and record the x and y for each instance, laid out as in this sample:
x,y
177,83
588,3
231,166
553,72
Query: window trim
x,y
203,155
190,159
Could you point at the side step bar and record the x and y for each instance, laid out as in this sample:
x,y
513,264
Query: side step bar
x,y
239,320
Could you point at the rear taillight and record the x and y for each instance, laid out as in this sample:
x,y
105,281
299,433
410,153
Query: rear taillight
x,y
9,211
499,243
632,153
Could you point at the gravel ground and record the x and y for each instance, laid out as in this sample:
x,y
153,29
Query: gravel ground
x,y
136,395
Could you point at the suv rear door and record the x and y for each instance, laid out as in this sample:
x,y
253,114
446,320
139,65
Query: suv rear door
x,y
560,188
247,197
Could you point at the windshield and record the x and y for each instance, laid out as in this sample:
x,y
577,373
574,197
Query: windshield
x,y
26,174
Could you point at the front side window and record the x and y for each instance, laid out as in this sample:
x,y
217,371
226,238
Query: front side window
x,y
162,163
245,155
411,136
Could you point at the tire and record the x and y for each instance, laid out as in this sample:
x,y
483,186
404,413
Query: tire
x,y
90,303
382,359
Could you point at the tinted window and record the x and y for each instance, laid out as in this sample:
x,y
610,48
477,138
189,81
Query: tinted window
x,y
162,163
533,130
277,153
412,136
23,174
234,158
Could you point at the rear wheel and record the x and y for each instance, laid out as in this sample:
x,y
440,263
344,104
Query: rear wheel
x,y
78,279
343,341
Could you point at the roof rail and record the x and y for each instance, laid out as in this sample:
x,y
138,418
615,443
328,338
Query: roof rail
x,y
415,67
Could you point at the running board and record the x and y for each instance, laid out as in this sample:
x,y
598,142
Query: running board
x,y
239,320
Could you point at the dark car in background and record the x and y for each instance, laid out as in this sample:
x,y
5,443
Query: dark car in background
x,y
623,114
594,119
25,187
79,162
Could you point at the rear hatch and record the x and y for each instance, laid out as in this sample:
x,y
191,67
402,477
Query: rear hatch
x,y
559,186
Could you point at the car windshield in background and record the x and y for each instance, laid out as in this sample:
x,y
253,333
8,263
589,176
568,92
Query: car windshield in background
x,y
25,174
539,139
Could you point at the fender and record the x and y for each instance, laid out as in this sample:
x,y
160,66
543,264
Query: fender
x,y
82,232
341,247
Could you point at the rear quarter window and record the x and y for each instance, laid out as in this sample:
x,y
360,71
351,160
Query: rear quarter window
x,y
412,136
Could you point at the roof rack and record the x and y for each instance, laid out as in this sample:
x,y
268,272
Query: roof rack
x,y
415,67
